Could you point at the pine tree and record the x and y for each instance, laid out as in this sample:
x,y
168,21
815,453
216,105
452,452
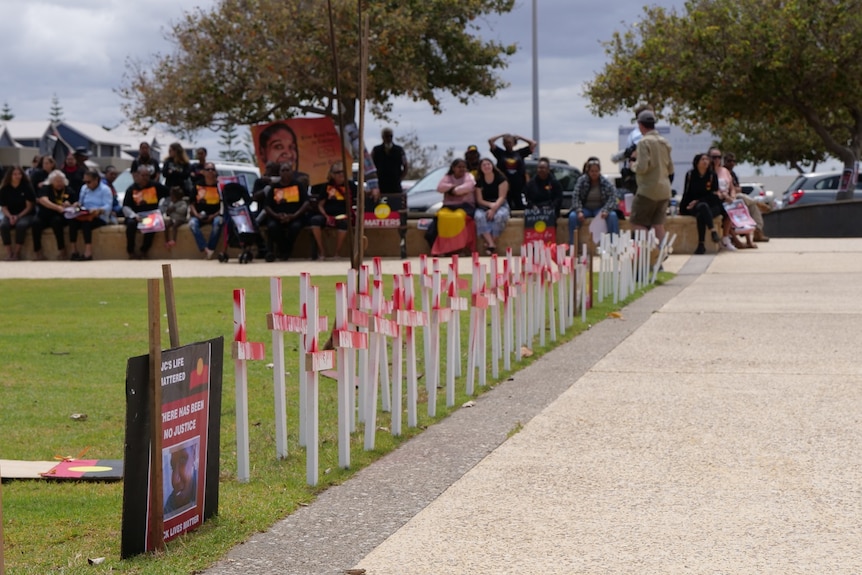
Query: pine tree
x,y
230,140
56,110
6,113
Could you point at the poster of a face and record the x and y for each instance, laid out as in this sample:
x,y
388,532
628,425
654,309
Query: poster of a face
x,y
309,145
180,465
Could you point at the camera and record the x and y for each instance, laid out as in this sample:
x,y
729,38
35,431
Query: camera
x,y
624,155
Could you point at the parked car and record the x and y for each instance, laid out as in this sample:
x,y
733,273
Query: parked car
x,y
758,193
423,195
250,171
817,187
566,174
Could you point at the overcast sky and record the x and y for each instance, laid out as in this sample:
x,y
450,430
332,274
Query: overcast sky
x,y
79,50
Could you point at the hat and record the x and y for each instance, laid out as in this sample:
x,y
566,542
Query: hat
x,y
646,117
82,151
472,149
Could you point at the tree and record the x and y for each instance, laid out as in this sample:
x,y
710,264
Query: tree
x,y
422,159
230,140
761,71
6,113
250,61
56,110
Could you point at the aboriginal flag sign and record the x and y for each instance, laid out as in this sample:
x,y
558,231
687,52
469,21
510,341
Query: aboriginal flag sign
x,y
191,381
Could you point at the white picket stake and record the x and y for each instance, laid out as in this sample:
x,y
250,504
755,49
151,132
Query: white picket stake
x,y
410,341
562,289
457,304
521,312
397,359
278,386
585,287
316,360
484,301
345,341
541,285
352,286
508,318
498,298
242,351
374,368
425,294
363,304
432,379
385,399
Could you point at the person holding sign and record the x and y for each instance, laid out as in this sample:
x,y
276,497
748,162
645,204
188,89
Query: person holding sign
x,y
95,202
142,197
595,196
332,205
287,206
492,210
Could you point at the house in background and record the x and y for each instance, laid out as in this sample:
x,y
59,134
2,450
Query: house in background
x,y
21,141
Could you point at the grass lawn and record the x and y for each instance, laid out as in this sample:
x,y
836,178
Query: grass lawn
x,y
63,350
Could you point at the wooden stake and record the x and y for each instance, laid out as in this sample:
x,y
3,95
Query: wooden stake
x,y
2,545
156,534
170,305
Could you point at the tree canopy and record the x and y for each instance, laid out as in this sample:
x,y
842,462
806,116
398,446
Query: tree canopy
x,y
250,61
780,79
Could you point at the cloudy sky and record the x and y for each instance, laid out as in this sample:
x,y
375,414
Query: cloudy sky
x,y
79,50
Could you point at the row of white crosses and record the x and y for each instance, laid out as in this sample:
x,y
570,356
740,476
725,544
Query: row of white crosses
x,y
624,262
527,295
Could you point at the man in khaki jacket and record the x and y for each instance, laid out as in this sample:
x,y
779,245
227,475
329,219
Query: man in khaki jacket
x,y
653,169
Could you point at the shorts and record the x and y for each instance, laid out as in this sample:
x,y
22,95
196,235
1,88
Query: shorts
x,y
648,213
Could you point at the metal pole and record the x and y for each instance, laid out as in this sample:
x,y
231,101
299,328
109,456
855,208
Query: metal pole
x,y
536,80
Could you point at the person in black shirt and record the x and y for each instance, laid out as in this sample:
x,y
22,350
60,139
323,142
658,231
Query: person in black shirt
x,y
511,162
544,190
390,162
492,209
700,199
144,159
286,206
18,204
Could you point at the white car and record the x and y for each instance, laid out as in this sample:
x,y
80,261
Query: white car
x,y
250,171
758,193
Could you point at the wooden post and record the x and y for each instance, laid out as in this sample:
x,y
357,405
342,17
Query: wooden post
x,y
278,385
242,350
170,305
2,544
156,534
418,319
316,360
345,341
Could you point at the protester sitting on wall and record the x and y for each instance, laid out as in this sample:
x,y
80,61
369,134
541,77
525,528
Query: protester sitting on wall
x,y
332,207
40,175
544,190
96,200
176,210
110,176
51,201
459,200
18,205
206,209
287,206
492,209
595,196
700,199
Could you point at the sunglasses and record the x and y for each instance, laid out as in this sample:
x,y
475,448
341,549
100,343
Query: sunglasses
x,y
209,169
715,157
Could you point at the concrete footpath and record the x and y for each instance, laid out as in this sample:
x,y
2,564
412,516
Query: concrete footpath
x,y
715,428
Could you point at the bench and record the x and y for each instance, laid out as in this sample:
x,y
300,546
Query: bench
x,y
109,242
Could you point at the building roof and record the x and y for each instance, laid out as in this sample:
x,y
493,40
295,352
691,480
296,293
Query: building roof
x,y
95,133
26,130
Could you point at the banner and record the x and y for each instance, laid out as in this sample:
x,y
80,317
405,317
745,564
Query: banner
x,y
739,216
191,379
310,145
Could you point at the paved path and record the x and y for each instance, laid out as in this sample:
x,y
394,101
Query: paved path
x,y
716,428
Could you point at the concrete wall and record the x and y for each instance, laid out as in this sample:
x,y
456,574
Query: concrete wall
x,y
17,156
826,220
109,242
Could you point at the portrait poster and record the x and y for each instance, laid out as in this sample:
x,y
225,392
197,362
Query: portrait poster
x,y
311,145
540,224
191,380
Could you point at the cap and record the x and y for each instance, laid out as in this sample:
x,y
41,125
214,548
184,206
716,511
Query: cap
x,y
82,151
472,149
646,117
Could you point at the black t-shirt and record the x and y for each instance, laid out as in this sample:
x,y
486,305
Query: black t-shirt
x,y
15,199
546,192
332,196
177,175
490,191
389,164
287,198
207,199
513,166
144,198
151,162
66,194
699,189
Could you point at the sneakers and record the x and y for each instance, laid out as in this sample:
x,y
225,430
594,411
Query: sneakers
x,y
209,253
727,244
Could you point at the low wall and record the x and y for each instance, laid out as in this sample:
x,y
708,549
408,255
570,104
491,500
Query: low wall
x,y
109,242
826,220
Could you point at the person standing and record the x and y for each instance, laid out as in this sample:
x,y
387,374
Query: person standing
x,y
653,168
391,164
511,162
197,168
145,159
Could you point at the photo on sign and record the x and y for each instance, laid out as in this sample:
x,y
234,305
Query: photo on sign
x,y
180,464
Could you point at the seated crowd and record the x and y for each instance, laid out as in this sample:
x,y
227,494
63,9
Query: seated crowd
x,y
478,196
